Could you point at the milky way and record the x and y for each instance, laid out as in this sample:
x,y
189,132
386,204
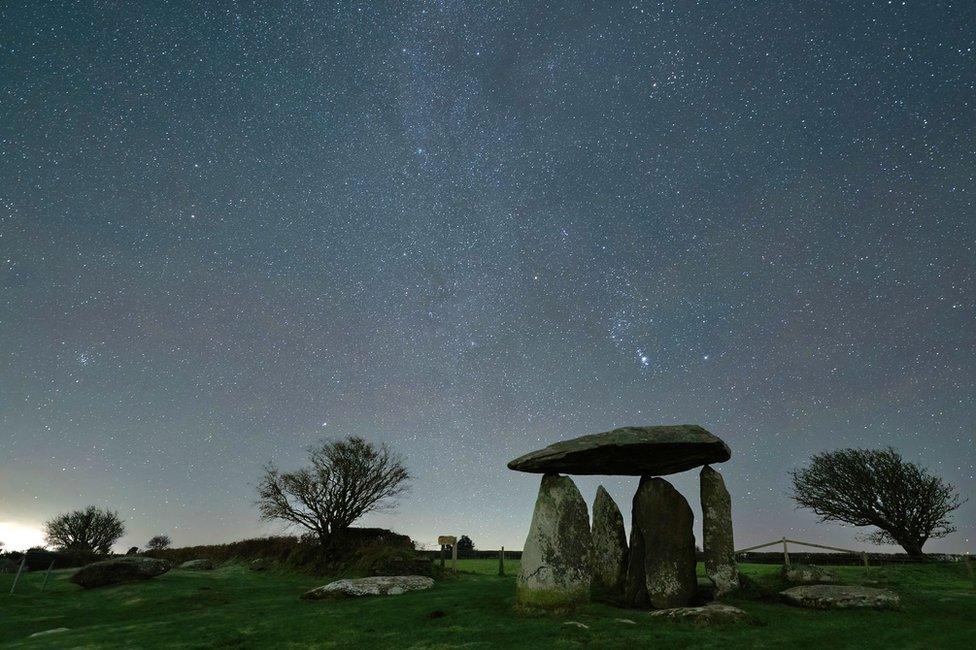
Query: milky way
x,y
468,230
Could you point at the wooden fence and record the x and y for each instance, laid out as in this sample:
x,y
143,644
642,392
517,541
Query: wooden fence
x,y
786,550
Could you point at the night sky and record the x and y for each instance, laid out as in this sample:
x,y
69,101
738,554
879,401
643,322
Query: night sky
x,y
469,231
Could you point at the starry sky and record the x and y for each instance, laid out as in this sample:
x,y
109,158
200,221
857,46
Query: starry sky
x,y
471,229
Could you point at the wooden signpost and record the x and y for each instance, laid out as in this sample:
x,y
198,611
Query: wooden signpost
x,y
448,540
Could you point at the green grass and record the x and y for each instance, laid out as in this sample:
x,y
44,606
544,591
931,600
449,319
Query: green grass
x,y
236,608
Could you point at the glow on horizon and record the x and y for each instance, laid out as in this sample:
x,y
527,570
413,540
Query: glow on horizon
x,y
18,536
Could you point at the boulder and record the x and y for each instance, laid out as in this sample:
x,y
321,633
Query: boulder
x,y
130,568
555,570
840,597
804,574
609,547
374,586
706,616
198,565
629,451
661,559
717,544
259,564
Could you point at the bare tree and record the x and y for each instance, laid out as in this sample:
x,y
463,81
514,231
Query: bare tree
x,y
865,487
159,542
91,529
347,479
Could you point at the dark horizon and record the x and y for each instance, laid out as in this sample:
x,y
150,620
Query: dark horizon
x,y
470,231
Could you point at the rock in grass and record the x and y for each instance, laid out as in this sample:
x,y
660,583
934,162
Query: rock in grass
x,y
373,586
804,574
717,543
661,559
706,616
57,630
198,565
840,597
556,570
628,451
118,570
609,547
260,564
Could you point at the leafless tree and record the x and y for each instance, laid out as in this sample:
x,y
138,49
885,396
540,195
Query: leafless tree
x,y
347,479
91,529
159,542
865,487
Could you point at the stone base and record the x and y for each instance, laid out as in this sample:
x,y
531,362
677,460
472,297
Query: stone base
x,y
526,598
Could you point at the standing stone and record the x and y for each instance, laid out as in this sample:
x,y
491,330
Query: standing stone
x,y
635,583
661,563
609,547
717,532
555,570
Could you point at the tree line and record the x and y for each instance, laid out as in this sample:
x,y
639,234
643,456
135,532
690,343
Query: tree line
x,y
350,477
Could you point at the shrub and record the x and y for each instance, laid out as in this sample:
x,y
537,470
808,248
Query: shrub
x,y
91,529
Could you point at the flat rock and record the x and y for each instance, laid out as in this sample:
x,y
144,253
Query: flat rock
x,y
629,451
556,568
373,586
706,616
840,597
57,630
198,565
804,574
129,568
609,547
717,542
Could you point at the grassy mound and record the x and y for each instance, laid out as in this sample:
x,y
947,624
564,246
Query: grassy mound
x,y
361,552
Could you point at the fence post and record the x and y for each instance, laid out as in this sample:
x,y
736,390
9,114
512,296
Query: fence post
x,y
23,561
864,558
442,556
501,562
47,575
786,554
454,557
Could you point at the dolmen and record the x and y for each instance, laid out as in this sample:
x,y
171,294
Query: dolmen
x,y
565,561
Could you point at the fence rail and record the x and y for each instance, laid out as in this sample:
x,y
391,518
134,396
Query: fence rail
x,y
786,551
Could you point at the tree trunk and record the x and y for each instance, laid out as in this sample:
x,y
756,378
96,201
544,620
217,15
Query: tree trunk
x,y
913,548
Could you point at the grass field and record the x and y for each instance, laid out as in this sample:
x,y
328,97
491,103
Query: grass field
x,y
233,607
